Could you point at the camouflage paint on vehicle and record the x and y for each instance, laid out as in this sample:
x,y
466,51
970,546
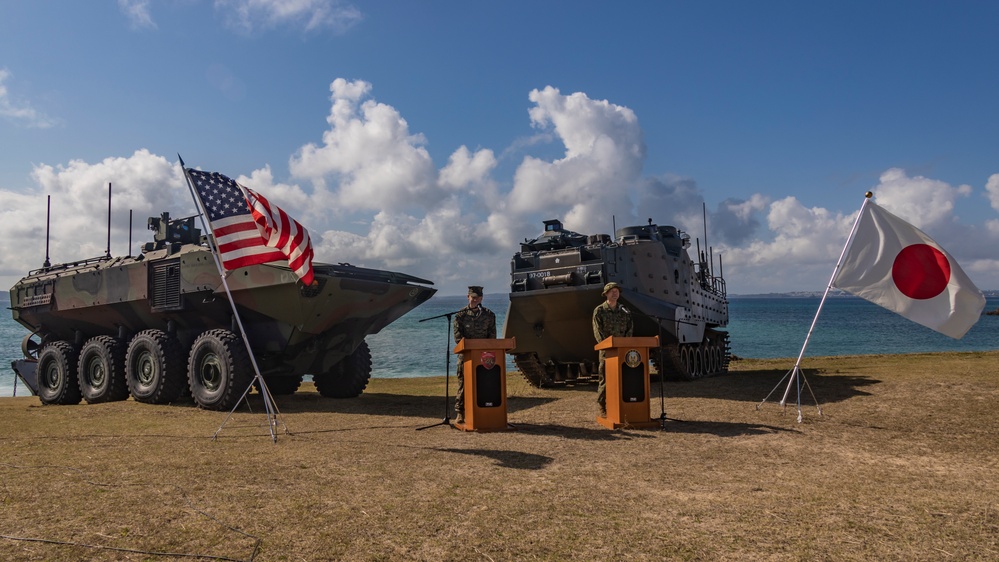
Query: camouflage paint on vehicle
x,y
172,293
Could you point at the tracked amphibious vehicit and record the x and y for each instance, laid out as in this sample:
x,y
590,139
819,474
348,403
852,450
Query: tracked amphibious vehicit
x,y
557,280
158,326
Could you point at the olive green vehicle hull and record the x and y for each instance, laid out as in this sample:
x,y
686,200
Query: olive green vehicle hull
x,y
170,305
557,280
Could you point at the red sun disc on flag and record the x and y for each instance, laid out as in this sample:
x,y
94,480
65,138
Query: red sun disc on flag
x,y
921,271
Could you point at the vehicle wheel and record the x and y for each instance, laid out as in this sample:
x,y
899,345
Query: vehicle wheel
x,y
687,362
349,377
219,370
56,374
30,347
102,370
696,362
155,368
281,386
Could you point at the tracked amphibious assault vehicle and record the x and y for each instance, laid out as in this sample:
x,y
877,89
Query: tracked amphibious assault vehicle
x,y
158,326
557,280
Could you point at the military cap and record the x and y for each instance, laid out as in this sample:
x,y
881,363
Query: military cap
x,y
475,291
610,286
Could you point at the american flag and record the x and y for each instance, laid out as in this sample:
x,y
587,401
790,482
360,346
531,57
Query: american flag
x,y
249,229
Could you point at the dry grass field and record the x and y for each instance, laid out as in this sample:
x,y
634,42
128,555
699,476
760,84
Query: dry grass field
x,y
902,464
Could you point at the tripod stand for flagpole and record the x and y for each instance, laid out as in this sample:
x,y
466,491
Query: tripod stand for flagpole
x,y
270,407
796,376
447,371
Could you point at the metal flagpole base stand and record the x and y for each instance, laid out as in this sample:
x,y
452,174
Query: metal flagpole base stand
x,y
794,377
265,393
270,407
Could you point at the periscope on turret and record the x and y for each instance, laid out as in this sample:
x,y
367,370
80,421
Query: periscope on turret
x,y
158,326
556,281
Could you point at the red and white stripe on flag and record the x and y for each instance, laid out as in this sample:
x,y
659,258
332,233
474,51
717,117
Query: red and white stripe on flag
x,y
283,233
249,235
895,265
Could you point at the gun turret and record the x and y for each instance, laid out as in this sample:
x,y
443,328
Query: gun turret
x,y
176,231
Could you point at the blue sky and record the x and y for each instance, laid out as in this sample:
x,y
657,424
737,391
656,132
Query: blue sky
x,y
432,137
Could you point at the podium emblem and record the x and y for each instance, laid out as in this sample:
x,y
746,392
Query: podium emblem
x,y
488,359
633,358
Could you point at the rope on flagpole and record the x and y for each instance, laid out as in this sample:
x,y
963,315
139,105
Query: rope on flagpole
x,y
796,375
270,407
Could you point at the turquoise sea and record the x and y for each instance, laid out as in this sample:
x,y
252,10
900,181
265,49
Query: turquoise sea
x,y
759,327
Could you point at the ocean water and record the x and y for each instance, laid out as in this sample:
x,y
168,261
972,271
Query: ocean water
x,y
759,327
777,327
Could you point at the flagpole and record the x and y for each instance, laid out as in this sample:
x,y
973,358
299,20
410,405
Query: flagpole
x,y
796,374
270,406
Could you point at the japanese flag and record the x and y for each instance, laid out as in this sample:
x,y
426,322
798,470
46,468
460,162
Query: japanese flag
x,y
893,264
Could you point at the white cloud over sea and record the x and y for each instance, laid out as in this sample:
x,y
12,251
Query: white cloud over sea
x,y
371,195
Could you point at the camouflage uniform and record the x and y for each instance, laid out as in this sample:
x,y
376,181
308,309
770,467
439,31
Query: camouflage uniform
x,y
478,323
608,322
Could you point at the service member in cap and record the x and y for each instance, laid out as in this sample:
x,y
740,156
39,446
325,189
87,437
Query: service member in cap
x,y
609,319
474,322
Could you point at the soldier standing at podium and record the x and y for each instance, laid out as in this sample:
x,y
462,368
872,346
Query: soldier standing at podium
x,y
609,319
474,322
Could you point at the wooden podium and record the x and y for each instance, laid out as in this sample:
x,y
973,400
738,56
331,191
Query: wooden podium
x,y
484,371
627,379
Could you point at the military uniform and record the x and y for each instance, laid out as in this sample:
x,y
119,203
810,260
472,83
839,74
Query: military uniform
x,y
472,323
608,322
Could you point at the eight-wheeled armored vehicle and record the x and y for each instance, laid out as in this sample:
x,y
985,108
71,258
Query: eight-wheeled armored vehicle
x,y
158,326
557,280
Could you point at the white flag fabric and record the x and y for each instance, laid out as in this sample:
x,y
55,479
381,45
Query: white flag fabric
x,y
894,264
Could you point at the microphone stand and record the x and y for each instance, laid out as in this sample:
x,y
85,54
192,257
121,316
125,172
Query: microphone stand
x,y
447,373
662,375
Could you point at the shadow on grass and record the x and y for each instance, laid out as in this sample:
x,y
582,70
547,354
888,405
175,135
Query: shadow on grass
x,y
382,404
594,433
754,386
722,429
745,386
506,459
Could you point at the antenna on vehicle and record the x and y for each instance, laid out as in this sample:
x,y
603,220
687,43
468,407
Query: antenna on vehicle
x,y
107,253
48,220
704,214
129,252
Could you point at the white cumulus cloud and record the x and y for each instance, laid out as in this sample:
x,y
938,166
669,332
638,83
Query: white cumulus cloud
x,y
368,156
921,201
604,154
370,195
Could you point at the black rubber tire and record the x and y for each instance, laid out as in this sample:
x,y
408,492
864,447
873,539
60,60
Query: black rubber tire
x,y
281,386
56,374
155,368
219,370
349,377
101,370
